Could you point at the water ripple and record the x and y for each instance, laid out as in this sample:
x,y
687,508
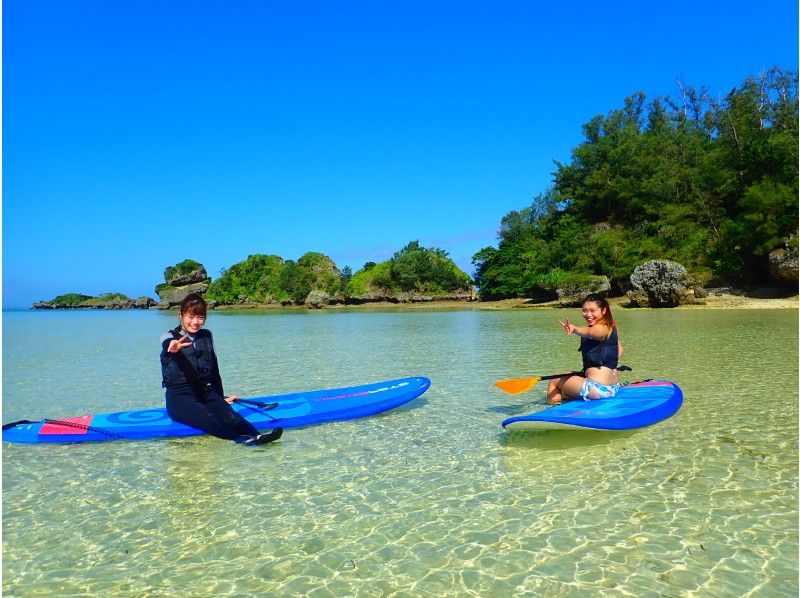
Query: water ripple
x,y
431,499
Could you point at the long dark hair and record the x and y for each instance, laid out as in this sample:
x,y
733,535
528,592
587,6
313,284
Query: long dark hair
x,y
605,308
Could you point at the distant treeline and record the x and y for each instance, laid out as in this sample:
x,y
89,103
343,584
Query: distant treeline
x,y
271,279
711,183
414,273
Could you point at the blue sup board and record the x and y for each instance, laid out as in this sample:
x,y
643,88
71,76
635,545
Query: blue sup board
x,y
635,406
278,411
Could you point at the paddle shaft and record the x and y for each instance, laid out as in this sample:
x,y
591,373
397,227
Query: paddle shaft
x,y
256,403
260,406
622,368
554,376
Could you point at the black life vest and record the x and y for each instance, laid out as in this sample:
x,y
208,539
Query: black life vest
x,y
604,352
195,366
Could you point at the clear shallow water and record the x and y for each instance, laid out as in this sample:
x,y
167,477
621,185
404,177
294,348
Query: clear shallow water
x,y
432,499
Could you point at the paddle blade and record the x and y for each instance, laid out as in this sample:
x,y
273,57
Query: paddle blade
x,y
515,386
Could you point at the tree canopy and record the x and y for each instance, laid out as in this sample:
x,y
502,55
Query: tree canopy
x,y
711,183
412,269
269,279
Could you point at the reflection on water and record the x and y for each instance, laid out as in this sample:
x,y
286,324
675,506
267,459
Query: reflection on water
x,y
431,499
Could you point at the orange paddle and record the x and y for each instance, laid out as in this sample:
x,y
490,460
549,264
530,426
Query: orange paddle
x,y
517,386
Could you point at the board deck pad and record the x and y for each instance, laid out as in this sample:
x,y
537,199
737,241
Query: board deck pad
x,y
635,406
292,410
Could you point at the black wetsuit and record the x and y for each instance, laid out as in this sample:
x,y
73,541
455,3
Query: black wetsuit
x,y
194,389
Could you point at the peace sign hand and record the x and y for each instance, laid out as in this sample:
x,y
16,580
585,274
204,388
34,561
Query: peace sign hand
x,y
569,327
176,345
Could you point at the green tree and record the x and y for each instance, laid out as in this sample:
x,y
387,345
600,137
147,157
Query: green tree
x,y
347,274
70,300
415,268
323,273
411,269
256,279
295,280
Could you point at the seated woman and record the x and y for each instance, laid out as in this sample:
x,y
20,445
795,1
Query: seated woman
x,y
600,348
190,373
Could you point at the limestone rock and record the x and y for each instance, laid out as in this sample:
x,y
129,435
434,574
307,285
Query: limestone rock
x,y
783,265
114,303
172,296
144,302
659,283
195,276
318,299
380,296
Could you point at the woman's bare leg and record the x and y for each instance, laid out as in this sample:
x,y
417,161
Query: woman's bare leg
x,y
554,396
566,385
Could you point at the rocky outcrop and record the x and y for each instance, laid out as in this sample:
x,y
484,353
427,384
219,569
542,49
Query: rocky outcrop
x,y
659,283
320,299
144,302
783,264
179,284
111,303
371,297
195,276
409,297
172,296
43,305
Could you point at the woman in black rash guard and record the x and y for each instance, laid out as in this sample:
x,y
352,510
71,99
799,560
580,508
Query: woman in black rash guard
x,y
190,374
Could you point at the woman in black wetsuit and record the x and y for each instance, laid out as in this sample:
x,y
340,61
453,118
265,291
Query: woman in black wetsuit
x,y
190,373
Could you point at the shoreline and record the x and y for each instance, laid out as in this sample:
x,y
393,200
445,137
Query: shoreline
x,y
718,298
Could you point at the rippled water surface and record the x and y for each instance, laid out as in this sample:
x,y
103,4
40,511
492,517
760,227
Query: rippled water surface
x,y
430,499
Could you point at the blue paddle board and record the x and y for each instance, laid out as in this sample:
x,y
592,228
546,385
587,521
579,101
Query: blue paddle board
x,y
283,411
635,406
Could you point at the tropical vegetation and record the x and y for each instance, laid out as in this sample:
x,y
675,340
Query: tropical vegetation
x,y
271,279
412,269
79,300
69,300
711,183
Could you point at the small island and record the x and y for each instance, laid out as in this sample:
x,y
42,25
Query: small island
x,y
104,301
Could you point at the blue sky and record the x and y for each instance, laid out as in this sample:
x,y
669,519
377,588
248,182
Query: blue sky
x,y
138,133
